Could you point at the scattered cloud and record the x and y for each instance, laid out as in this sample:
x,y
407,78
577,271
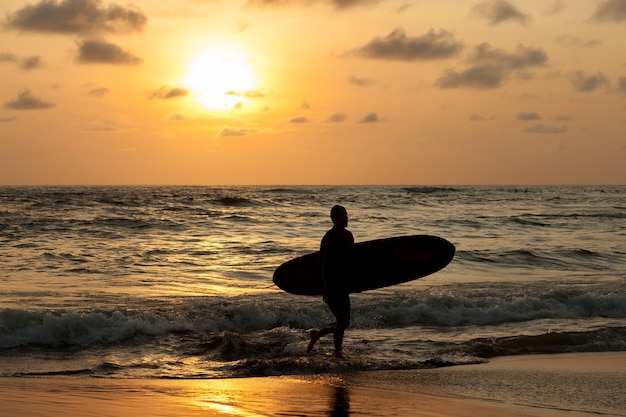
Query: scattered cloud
x,y
31,62
397,46
527,116
76,17
177,117
563,117
555,7
8,57
545,129
577,42
522,58
588,83
479,77
27,63
337,118
102,52
300,120
166,93
242,26
500,11
360,81
345,4
105,126
403,8
25,100
479,118
610,11
491,67
235,131
370,118
337,4
98,92
621,85
246,94
7,119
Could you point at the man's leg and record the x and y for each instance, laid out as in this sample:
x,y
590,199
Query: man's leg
x,y
317,334
343,322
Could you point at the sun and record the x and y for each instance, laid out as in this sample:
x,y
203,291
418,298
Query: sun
x,y
220,78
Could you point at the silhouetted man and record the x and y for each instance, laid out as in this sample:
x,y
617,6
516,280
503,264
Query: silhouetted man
x,y
336,267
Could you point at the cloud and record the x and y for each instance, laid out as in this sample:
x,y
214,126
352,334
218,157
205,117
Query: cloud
x,y
621,85
397,46
360,81
479,118
106,126
491,67
610,11
545,129
76,17
177,117
31,62
235,131
28,63
499,11
337,118
166,93
575,41
337,4
98,92
246,94
345,4
522,58
7,119
102,52
8,57
563,118
26,101
556,7
300,120
479,77
527,116
370,118
588,83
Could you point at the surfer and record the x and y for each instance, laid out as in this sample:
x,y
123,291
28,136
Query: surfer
x,y
336,255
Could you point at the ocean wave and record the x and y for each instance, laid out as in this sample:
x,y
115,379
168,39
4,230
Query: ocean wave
x,y
429,190
617,214
602,340
137,224
558,259
480,306
234,201
526,221
438,306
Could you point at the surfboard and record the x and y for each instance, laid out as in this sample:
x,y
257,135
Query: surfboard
x,y
377,264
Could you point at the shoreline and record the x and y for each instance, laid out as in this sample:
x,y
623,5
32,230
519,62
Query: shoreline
x,y
577,384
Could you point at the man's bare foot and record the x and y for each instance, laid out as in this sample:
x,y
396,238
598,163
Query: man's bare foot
x,y
338,353
315,335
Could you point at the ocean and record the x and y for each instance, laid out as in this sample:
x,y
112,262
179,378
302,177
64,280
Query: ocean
x,y
176,282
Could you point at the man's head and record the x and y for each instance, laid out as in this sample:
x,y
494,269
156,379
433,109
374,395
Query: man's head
x,y
339,216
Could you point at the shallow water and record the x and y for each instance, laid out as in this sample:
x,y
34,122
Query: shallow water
x,y
176,281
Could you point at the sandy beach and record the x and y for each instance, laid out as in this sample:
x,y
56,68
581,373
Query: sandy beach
x,y
537,385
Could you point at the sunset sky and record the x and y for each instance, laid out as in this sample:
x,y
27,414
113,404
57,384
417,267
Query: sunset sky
x,y
313,92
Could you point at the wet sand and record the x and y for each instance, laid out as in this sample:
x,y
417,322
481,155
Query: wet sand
x,y
541,385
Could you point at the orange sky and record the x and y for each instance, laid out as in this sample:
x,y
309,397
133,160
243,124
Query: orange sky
x,y
312,92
